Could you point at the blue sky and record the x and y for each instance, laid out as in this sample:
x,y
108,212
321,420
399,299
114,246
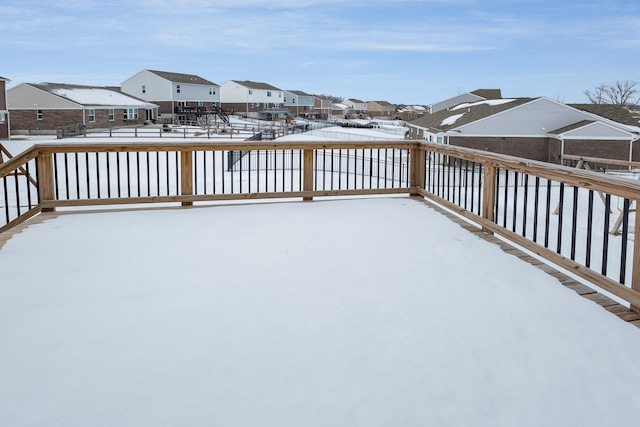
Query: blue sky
x,y
412,52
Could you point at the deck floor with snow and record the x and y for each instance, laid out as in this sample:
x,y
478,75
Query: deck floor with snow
x,y
363,312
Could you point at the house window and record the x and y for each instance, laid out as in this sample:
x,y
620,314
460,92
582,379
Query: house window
x,y
279,94
250,92
144,89
92,115
39,114
130,113
268,93
112,115
177,88
200,104
182,104
2,117
212,91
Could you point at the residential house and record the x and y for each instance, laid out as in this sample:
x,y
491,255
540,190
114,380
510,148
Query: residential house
x,y
323,107
42,108
381,109
358,107
4,111
254,99
177,95
341,111
534,128
411,112
298,102
475,96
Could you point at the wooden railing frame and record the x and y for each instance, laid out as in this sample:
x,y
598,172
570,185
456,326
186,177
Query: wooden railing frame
x,y
622,187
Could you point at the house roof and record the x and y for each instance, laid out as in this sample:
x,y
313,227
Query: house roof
x,y
4,79
92,95
488,93
299,93
356,101
571,127
383,103
615,113
183,78
467,112
256,85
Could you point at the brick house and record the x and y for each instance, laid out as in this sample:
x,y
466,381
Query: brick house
x,y
42,108
174,93
534,128
4,111
381,109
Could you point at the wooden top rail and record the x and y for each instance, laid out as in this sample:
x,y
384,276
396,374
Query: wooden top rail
x,y
603,161
219,146
12,164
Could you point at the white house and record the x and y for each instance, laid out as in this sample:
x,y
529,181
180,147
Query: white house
x,y
297,101
357,106
176,94
251,98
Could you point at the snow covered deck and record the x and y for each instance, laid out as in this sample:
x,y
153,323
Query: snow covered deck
x,y
360,312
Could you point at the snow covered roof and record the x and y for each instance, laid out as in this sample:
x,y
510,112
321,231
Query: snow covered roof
x,y
299,93
93,95
616,113
466,112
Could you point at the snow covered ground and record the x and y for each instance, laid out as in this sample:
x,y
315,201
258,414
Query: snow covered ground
x,y
368,312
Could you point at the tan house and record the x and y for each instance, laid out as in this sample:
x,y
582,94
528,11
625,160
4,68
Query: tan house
x,y
43,108
381,109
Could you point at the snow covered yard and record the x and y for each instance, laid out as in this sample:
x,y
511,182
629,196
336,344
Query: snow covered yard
x,y
367,312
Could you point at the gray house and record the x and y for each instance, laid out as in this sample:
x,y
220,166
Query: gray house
x,y
4,111
535,128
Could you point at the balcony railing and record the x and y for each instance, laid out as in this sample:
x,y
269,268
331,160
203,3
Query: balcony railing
x,y
562,214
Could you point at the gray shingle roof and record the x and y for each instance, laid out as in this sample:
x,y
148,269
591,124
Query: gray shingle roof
x,y
488,93
470,114
183,78
615,113
256,85
574,126
299,93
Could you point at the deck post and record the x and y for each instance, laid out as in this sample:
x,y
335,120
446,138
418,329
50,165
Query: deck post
x,y
307,171
635,275
46,190
417,164
186,175
489,194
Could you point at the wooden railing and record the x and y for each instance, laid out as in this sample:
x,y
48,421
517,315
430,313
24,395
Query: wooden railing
x,y
547,209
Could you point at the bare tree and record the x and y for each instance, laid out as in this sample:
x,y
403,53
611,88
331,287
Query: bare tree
x,y
622,93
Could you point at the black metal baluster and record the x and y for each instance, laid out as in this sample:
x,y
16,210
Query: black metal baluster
x,y
536,199
526,205
574,222
118,172
177,162
589,230
98,175
77,167
6,199
148,174
547,215
625,240
605,238
168,178
515,201
138,171
506,198
86,171
66,175
17,185
108,176
560,217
